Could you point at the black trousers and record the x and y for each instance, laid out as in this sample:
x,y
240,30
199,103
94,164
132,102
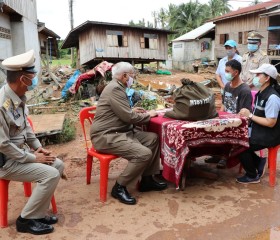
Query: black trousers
x,y
250,160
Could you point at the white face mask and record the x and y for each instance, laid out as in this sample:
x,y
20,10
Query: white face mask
x,y
129,82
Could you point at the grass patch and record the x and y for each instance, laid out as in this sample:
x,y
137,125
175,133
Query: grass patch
x,y
68,131
61,62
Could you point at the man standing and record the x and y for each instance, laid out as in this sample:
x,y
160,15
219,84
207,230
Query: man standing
x,y
113,132
17,161
252,59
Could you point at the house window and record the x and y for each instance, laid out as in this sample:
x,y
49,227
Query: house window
x,y
116,39
149,41
223,38
240,37
245,40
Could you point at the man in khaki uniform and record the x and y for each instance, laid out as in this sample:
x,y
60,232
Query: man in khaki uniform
x,y
17,161
113,132
252,59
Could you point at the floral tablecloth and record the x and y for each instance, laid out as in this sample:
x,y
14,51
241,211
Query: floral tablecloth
x,y
226,135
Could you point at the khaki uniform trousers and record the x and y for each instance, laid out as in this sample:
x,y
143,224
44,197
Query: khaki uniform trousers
x,y
46,177
141,149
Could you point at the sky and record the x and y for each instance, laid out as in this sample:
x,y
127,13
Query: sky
x,y
55,14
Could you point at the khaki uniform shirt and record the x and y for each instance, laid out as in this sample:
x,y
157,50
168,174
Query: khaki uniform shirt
x,y
251,61
16,134
114,116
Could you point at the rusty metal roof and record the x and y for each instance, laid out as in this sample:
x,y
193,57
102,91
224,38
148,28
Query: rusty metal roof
x,y
248,10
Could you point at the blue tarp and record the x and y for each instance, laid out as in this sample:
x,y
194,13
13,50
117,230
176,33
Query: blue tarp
x,y
70,82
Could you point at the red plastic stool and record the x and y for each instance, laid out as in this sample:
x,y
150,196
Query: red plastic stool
x,y
4,197
272,162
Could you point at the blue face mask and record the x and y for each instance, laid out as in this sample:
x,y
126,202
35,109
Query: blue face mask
x,y
256,82
229,77
252,47
34,84
230,53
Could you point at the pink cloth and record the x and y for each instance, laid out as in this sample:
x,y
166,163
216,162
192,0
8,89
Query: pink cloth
x,y
100,68
226,135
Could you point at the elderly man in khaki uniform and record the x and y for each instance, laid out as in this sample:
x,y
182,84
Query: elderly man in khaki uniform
x,y
252,59
22,157
113,132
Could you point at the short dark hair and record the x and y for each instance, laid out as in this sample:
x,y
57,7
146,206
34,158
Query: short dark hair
x,y
234,64
12,76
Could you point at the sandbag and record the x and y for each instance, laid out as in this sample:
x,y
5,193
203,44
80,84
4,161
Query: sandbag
x,y
193,102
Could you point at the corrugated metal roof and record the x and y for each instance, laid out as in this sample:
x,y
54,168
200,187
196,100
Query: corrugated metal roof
x,y
247,10
72,39
196,33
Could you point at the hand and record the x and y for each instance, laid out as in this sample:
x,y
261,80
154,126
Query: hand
x,y
43,158
44,151
244,112
139,110
152,113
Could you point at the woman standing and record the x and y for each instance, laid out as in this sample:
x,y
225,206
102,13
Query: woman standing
x,y
232,53
264,128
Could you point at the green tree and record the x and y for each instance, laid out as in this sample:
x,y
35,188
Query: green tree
x,y
163,17
218,8
187,16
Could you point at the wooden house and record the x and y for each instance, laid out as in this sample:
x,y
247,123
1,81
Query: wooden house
x,y
263,17
18,28
197,44
98,41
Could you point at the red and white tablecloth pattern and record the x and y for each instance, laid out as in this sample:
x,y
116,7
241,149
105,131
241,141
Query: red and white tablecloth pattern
x,y
226,135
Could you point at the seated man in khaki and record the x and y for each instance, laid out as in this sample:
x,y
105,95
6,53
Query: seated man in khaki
x,y
113,132
17,161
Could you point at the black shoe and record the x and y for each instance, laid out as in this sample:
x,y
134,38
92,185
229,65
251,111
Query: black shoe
x,y
119,192
48,220
148,183
262,166
32,226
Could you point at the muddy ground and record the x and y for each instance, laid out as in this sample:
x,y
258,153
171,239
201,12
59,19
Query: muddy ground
x,y
206,209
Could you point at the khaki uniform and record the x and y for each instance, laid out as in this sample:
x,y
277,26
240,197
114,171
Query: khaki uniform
x,y
16,139
113,132
251,61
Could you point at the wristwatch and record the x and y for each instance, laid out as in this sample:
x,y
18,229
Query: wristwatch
x,y
251,115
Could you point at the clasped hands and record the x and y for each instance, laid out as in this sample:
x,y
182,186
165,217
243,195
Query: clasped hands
x,y
44,156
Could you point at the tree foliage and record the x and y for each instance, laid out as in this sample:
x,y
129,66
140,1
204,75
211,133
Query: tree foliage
x,y
186,16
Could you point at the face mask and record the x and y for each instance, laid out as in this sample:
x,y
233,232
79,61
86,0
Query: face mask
x,y
129,82
252,47
229,77
230,53
34,84
256,82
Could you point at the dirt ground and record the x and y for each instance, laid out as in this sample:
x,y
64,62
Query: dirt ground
x,y
206,209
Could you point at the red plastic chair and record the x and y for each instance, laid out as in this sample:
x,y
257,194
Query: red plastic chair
x,y
272,162
87,114
4,196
